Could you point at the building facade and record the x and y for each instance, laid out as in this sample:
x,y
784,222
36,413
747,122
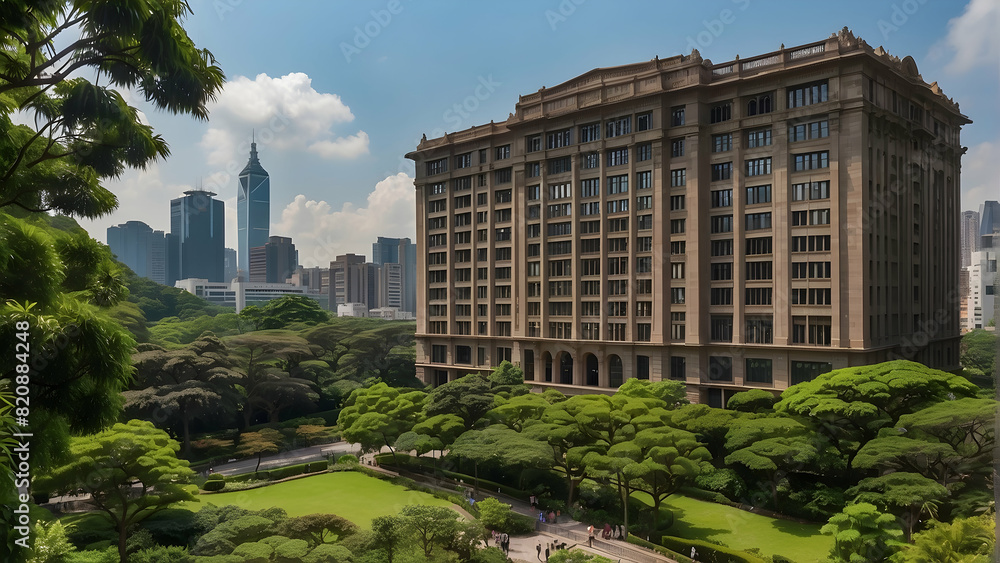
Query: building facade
x,y
240,294
400,251
140,248
981,304
230,268
748,224
273,262
970,236
253,209
196,244
353,280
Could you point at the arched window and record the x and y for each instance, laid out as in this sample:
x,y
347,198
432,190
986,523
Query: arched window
x,y
752,107
592,370
566,369
616,371
765,104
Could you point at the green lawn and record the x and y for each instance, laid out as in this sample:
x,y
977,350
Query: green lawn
x,y
349,494
696,519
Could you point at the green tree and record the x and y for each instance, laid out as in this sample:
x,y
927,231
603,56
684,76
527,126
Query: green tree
x,y
435,433
979,352
862,534
672,393
387,535
773,447
266,359
965,540
318,528
80,357
131,472
517,411
663,460
85,132
710,425
430,524
377,416
266,441
908,494
754,400
500,444
850,406
469,397
187,384
281,312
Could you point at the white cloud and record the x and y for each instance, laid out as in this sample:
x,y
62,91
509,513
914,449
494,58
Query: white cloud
x,y
287,113
349,147
973,36
321,233
979,177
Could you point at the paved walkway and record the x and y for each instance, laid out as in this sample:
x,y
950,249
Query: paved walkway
x,y
566,532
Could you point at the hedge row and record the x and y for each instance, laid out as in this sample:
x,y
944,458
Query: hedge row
x,y
421,465
659,549
710,552
215,481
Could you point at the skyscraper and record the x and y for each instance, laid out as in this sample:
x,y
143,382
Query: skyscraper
x,y
403,252
253,209
196,244
970,236
140,248
274,262
746,224
230,268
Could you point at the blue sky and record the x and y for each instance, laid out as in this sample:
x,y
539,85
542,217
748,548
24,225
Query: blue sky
x,y
339,91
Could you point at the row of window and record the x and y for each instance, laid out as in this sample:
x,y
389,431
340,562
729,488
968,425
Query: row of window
x,y
762,103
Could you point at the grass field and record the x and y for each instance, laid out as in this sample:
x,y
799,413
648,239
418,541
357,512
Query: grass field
x,y
349,494
696,519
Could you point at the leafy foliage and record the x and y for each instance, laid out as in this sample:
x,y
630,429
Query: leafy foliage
x,y
131,471
862,533
86,132
186,384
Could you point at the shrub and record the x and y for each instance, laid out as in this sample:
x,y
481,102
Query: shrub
x,y
173,527
107,555
680,558
245,485
348,459
216,477
161,554
262,475
316,466
286,472
213,485
709,552
780,559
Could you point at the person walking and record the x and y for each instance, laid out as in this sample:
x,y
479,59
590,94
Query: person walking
x,y
538,548
590,534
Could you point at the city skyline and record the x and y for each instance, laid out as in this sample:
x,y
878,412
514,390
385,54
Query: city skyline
x,y
347,124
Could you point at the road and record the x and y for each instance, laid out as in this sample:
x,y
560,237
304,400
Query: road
x,y
291,457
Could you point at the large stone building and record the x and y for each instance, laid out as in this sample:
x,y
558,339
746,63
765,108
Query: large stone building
x,y
748,224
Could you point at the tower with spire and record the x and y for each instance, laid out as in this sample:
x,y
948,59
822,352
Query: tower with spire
x,y
253,208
